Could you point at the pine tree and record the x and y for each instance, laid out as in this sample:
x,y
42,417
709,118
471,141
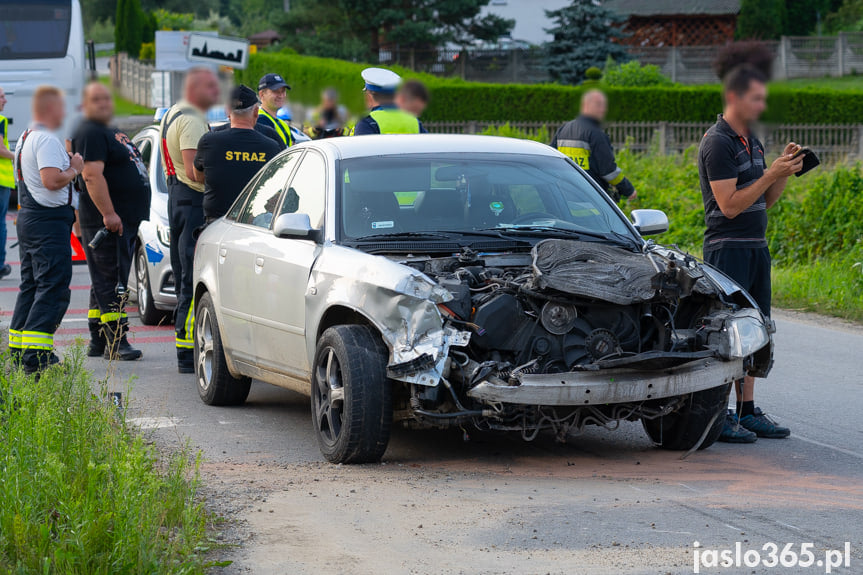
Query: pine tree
x,y
129,27
761,19
584,34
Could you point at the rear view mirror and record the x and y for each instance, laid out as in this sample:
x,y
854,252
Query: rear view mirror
x,y
293,226
650,222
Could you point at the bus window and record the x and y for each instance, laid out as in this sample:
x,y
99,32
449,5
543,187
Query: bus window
x,y
35,30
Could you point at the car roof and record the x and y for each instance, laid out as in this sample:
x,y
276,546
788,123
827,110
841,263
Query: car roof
x,y
362,146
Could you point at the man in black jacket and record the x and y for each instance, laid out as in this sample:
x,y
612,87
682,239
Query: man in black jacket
x,y
116,198
584,140
226,160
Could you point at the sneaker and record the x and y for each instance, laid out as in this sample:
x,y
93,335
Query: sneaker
x,y
734,432
5,271
763,426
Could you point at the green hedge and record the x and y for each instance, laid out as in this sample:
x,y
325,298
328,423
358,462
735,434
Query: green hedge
x,y
457,100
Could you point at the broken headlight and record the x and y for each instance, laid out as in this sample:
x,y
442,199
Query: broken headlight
x,y
736,335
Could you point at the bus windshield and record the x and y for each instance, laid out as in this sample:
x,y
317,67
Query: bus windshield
x,y
32,30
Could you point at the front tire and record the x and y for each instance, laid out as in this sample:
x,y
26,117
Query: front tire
x,y
351,396
216,385
146,306
681,430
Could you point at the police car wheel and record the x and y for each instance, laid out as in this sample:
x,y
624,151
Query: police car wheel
x,y
147,310
216,384
352,408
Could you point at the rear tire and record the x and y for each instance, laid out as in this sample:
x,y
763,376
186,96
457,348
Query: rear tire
x,y
216,385
351,396
681,430
146,306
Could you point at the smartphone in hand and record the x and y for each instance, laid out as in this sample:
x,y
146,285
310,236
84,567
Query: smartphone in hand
x,y
810,160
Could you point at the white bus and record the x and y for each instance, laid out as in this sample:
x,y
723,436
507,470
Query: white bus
x,y
41,42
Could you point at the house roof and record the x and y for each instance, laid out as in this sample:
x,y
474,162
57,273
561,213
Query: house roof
x,y
673,7
265,35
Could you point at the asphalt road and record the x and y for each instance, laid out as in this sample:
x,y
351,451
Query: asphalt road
x,y
606,502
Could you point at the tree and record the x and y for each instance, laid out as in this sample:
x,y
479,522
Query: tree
x,y
803,16
848,16
761,19
584,34
129,27
405,23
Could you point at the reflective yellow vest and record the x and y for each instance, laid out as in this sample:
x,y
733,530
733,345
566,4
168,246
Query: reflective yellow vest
x,y
7,175
395,121
282,127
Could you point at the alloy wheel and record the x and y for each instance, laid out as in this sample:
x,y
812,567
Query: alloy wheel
x,y
329,396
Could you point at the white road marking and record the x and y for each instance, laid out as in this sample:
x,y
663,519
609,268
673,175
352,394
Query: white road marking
x,y
153,422
828,446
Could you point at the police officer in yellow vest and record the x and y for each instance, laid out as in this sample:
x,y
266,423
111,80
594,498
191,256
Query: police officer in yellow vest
x,y
384,116
273,94
7,182
584,140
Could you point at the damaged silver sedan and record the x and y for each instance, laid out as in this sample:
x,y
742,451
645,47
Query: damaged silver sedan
x,y
436,281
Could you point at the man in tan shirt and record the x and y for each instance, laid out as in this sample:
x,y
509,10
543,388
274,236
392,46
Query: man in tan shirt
x,y
182,127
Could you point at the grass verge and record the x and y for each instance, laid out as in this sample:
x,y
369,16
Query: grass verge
x,y
82,494
124,107
830,285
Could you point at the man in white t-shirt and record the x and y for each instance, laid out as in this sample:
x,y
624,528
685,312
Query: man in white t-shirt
x,y
45,173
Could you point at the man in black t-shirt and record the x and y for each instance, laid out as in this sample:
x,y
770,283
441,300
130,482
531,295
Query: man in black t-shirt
x,y
259,127
228,159
737,190
116,197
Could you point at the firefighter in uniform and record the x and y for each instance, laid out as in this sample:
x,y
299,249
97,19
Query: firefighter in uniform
x,y
45,173
228,159
384,116
584,140
7,182
273,93
182,127
115,198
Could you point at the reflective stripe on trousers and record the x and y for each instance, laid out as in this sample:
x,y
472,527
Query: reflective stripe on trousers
x,y
185,338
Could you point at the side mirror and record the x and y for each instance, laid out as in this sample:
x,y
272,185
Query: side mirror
x,y
293,226
650,222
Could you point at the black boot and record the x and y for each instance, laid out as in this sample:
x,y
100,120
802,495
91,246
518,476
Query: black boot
x,y
97,338
185,360
118,347
36,361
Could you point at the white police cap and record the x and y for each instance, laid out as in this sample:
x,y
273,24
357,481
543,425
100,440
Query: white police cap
x,y
381,80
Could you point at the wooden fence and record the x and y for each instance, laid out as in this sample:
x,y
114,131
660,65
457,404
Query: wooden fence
x,y
833,143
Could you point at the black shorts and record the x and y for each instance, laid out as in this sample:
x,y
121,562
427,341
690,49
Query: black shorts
x,y
750,267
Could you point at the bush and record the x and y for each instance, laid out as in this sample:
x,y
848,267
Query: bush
x,y
634,74
541,135
593,73
148,51
81,493
457,100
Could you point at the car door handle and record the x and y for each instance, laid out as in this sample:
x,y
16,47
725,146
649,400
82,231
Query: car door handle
x,y
223,252
259,262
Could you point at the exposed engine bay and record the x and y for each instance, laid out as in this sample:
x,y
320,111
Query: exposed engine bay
x,y
565,315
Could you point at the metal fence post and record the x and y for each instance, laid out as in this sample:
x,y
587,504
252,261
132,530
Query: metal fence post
x,y
663,138
860,141
840,48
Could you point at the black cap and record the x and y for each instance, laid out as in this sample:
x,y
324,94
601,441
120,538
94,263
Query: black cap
x,y
243,97
273,82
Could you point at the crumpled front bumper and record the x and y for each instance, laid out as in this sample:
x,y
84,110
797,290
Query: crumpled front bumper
x,y
611,385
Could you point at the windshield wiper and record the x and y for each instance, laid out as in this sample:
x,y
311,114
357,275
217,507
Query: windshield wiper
x,y
614,237
403,235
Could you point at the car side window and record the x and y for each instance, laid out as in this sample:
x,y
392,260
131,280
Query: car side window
x,y
264,194
308,189
146,149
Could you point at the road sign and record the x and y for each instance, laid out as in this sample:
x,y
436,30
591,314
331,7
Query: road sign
x,y
231,52
172,47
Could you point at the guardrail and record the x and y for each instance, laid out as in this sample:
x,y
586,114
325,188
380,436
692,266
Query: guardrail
x,y
833,143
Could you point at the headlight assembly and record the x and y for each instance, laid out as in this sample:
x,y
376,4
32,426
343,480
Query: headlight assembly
x,y
736,335
746,334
